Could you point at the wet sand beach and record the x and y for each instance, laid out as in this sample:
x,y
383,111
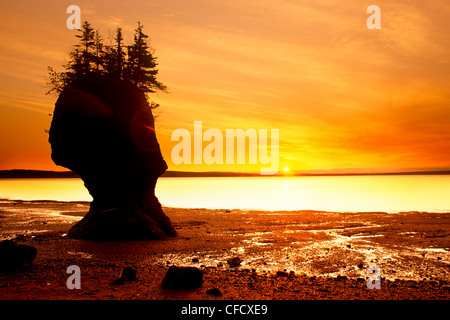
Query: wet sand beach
x,y
293,255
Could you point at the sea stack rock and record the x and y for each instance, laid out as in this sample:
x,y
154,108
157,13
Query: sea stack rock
x,y
103,129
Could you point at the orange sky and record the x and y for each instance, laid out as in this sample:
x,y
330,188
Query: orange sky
x,y
342,96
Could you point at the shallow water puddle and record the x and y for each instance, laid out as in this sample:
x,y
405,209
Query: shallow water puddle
x,y
336,254
80,254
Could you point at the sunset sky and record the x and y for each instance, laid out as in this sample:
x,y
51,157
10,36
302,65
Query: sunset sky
x,y
341,95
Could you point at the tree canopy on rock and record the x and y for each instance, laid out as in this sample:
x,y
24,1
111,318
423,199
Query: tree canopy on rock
x,y
134,63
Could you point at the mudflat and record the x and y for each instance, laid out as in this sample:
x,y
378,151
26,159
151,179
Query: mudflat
x,y
292,255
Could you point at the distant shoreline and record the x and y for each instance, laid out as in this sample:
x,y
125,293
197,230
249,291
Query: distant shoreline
x,y
42,174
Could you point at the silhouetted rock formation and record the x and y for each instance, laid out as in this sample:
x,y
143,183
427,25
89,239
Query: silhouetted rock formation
x,y
103,129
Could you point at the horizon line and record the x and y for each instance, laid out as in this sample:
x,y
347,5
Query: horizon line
x,y
32,173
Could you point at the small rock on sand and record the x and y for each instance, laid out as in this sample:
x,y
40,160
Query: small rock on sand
x,y
234,262
182,278
282,274
126,274
214,292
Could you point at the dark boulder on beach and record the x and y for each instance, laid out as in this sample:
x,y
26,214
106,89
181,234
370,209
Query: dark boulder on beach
x,y
182,278
282,274
14,255
234,262
103,130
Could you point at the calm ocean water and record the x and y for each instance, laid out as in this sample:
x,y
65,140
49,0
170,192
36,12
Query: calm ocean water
x,y
346,193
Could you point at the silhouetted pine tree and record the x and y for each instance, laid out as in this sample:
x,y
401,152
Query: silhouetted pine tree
x,y
114,56
85,62
98,54
141,64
